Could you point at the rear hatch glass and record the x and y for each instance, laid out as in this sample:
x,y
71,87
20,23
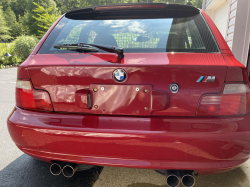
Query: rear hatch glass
x,y
135,32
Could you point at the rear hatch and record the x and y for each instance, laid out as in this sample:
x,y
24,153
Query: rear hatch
x,y
157,72
170,60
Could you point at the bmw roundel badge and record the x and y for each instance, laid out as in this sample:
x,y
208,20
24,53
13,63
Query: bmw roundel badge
x,y
119,75
174,88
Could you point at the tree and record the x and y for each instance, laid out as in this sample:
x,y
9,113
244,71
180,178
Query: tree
x,y
66,5
28,20
5,4
15,27
197,3
19,7
177,1
189,3
44,18
4,30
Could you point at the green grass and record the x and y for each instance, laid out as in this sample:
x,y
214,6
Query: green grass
x,y
3,47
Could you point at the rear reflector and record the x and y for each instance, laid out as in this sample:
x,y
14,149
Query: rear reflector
x,y
236,88
130,7
235,100
29,98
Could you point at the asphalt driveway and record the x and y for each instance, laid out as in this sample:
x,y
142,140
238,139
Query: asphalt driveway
x,y
18,169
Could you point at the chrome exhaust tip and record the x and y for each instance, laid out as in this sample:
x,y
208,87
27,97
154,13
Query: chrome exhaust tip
x,y
172,178
69,170
188,180
55,169
173,181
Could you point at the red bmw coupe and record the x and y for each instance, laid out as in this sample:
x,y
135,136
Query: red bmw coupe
x,y
134,85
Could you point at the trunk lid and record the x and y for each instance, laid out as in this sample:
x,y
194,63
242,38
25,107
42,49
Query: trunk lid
x,y
66,75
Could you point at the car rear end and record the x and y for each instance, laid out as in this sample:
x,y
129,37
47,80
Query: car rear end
x,y
177,100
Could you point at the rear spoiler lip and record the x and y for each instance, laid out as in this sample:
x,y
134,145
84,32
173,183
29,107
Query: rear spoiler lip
x,y
92,9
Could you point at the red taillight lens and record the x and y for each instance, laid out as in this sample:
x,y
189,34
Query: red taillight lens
x,y
235,100
28,98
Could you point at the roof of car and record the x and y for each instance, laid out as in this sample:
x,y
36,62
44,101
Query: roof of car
x,y
132,7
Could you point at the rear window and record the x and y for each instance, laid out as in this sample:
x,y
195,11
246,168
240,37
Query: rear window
x,y
140,35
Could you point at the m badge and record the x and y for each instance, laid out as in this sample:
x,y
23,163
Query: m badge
x,y
206,79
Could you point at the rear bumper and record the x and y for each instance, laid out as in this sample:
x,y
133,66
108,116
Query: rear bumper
x,y
208,145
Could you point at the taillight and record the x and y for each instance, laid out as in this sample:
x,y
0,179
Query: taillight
x,y
29,98
235,100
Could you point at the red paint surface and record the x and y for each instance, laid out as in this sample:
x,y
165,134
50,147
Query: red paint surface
x,y
22,73
160,100
236,71
171,138
203,144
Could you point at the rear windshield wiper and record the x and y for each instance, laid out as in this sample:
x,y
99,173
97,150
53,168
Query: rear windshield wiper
x,y
89,47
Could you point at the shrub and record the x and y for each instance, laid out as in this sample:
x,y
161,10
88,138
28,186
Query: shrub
x,y
24,45
13,60
5,60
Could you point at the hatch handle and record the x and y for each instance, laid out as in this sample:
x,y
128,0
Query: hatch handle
x,y
83,98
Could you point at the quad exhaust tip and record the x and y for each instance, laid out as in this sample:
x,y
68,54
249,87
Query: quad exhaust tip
x,y
174,177
69,170
188,180
173,180
55,169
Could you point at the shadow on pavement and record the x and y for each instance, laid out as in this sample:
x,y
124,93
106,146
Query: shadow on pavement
x,y
28,172
235,178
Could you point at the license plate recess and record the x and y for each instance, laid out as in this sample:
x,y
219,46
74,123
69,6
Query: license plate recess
x,y
121,99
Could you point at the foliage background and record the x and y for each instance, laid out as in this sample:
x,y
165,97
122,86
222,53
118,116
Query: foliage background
x,y
28,20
